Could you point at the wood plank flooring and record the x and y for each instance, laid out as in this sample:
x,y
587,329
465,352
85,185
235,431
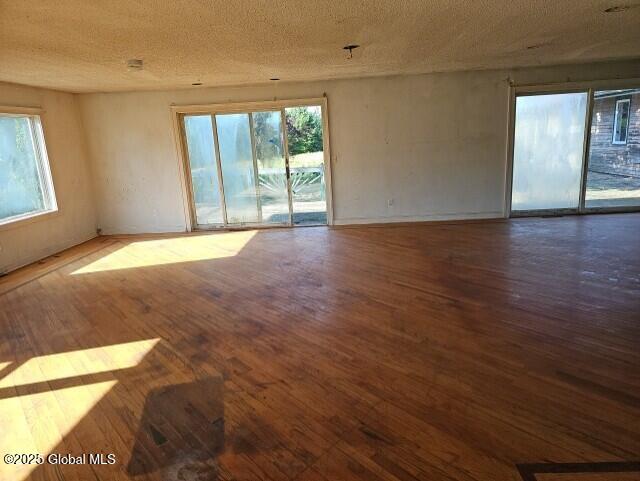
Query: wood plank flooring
x,y
425,352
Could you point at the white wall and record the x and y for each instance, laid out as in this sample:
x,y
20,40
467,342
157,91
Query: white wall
x,y
436,144
424,141
75,222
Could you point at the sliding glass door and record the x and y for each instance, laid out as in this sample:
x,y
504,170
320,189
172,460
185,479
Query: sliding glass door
x,y
272,168
238,169
576,152
613,176
205,179
255,168
547,152
306,163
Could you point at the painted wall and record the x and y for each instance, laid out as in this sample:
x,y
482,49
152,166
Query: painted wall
x,y
404,148
75,222
423,142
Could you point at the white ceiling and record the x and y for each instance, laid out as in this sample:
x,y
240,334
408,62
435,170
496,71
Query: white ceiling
x,y
83,45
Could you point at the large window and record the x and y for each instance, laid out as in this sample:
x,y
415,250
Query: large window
x,y
25,179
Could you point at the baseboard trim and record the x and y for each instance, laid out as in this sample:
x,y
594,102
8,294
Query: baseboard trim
x,y
42,256
47,252
136,230
456,218
44,265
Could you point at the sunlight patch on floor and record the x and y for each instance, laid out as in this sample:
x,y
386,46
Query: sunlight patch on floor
x,y
37,423
35,418
79,363
170,251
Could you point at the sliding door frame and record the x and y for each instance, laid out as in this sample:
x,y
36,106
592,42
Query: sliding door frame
x,y
254,155
285,145
216,150
585,152
589,87
178,112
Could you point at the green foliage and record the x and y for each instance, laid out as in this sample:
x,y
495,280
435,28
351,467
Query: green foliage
x,y
267,136
304,130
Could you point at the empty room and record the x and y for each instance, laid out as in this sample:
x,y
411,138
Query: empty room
x,y
320,240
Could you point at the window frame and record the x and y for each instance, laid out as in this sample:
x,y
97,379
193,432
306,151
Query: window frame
x,y
43,165
615,122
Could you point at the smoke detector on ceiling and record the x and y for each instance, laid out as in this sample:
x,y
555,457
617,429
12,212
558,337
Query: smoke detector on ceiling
x,y
135,64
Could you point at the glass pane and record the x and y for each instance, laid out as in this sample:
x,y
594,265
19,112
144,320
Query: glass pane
x,y
238,176
21,185
306,164
621,121
613,176
548,147
272,174
204,172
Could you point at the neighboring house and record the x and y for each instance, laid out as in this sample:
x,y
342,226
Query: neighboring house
x,y
615,133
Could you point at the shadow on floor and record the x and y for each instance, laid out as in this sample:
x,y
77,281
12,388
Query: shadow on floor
x,y
181,432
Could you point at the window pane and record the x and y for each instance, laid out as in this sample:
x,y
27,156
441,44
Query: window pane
x,y
236,158
306,164
613,176
22,188
621,121
272,174
548,147
204,171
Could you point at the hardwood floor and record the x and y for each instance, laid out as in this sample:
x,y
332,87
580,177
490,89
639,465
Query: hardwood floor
x,y
426,352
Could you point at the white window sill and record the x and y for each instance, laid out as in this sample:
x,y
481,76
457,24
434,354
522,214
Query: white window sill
x,y
21,220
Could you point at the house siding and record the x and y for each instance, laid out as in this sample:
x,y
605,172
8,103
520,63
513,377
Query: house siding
x,y
605,156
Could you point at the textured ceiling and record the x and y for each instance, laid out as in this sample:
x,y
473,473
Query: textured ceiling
x,y
83,45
